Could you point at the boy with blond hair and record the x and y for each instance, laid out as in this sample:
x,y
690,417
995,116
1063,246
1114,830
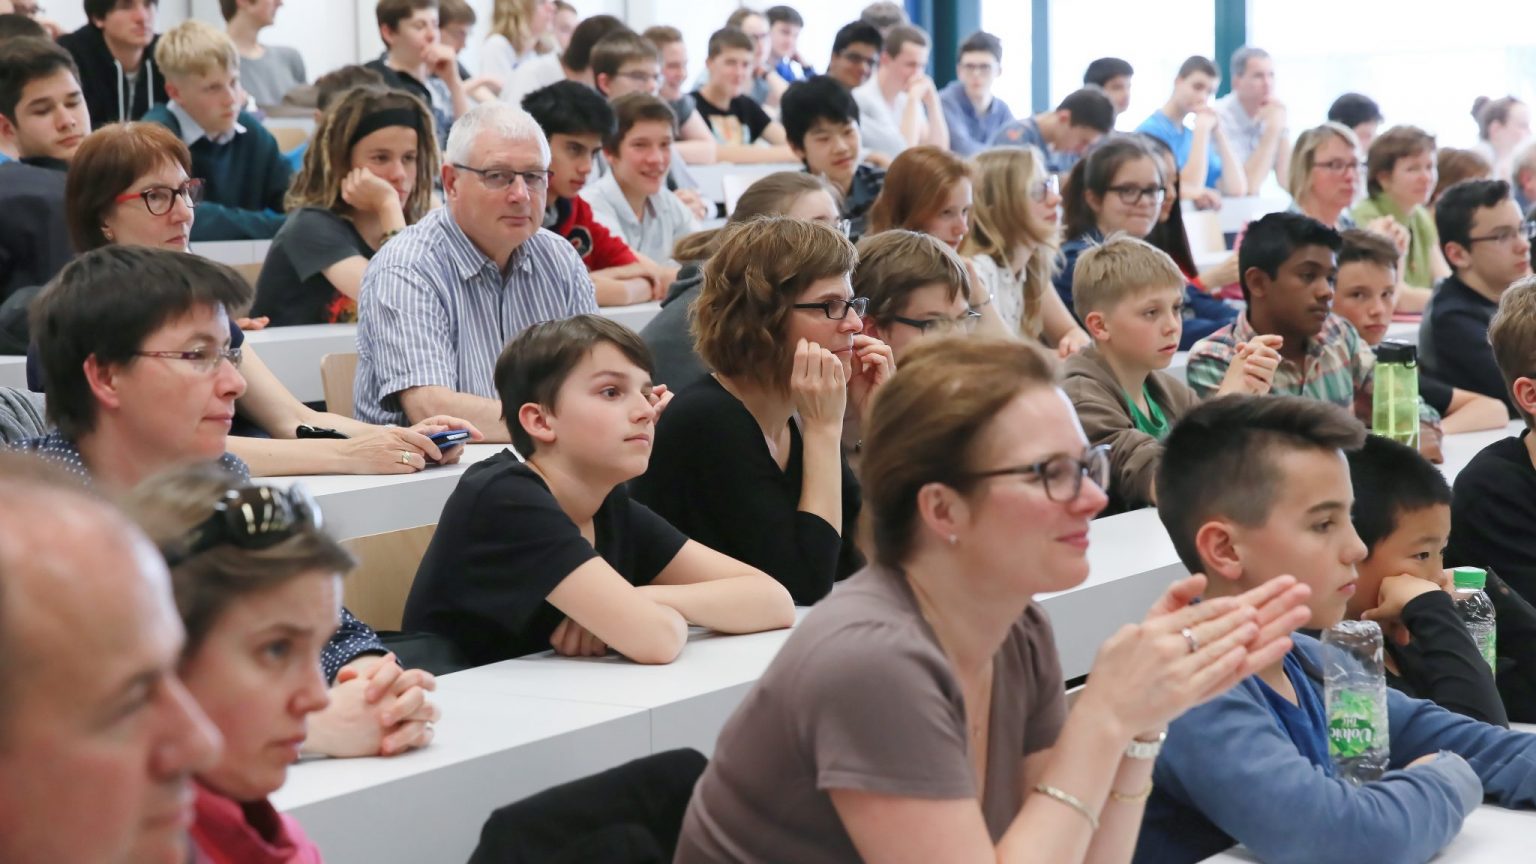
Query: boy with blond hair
x,y
1130,297
245,173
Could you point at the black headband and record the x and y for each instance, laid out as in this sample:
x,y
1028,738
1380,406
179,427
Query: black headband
x,y
384,119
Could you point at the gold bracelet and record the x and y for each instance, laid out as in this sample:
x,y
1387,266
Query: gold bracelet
x,y
1132,799
1070,800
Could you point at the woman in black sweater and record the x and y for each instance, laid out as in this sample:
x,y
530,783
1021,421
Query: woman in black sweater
x,y
748,460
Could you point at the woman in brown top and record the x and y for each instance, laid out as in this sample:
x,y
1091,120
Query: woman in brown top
x,y
918,713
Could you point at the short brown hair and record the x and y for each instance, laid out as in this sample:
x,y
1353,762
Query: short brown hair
x,y
749,286
902,35
107,163
27,59
195,48
893,264
663,35
1453,165
534,366
1399,142
726,39
926,423
916,187
1512,333
455,12
1368,247
390,13
634,108
172,505
619,47
330,86
741,14
1118,269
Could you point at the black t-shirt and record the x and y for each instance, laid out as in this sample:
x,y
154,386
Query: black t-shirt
x,y
292,288
1435,393
741,122
1453,341
503,543
712,476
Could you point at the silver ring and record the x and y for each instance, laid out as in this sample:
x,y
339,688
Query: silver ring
x,y
1190,640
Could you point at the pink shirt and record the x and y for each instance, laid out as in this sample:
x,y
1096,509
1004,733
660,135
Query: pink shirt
x,y
229,832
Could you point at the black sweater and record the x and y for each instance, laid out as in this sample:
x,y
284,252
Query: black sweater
x,y
103,82
1441,662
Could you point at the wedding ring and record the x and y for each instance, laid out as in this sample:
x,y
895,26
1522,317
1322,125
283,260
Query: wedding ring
x,y
1190,640
405,458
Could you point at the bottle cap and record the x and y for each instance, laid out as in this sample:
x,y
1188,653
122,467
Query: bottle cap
x,y
1405,353
1470,577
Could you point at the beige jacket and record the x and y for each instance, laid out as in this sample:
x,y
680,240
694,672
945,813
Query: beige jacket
x,y
1106,417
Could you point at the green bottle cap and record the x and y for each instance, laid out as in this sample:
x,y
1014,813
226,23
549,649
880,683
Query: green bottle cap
x,y
1470,577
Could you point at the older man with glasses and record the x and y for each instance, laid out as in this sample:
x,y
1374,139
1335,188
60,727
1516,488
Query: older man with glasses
x,y
441,299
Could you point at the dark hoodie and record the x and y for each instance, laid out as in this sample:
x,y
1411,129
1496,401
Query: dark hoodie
x,y
677,365
102,80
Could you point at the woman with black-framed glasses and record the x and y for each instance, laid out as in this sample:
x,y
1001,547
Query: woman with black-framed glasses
x,y
1119,187
748,460
918,713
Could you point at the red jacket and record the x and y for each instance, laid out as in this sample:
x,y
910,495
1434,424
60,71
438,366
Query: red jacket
x,y
229,832
598,247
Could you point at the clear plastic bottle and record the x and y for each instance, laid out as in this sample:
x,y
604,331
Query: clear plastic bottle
x,y
1477,611
1395,393
1355,691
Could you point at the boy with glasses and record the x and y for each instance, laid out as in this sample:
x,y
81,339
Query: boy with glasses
x,y
855,53
974,115
1488,246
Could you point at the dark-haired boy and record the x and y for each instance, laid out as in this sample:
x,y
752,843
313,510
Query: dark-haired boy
x,y
1065,134
974,115
115,52
1251,488
576,120
855,53
821,121
1113,76
416,60
43,115
1488,246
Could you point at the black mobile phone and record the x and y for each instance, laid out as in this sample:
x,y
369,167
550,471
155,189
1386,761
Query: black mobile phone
x,y
449,438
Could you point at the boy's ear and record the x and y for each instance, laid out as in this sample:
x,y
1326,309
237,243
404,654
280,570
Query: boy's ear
x,y
7,129
387,33
172,91
1217,543
1095,325
535,420
1524,392
601,80
798,151
1256,281
1457,255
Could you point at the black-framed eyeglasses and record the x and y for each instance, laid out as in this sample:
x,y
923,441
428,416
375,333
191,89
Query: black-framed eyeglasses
x,y
158,200
496,179
250,517
856,57
1043,189
1340,166
1506,235
639,77
966,323
1133,194
837,310
204,360
1062,476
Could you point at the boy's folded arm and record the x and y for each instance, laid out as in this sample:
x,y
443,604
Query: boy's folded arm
x,y
1234,764
1444,664
1504,760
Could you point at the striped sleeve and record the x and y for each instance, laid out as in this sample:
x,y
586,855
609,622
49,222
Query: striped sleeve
x,y
412,338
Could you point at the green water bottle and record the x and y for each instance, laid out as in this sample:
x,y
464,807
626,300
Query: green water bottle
x,y
1395,400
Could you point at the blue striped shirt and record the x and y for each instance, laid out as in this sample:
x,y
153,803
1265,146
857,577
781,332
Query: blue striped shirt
x,y
436,312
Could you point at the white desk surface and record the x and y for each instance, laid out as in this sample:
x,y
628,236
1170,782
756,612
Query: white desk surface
x,y
293,353
13,371
234,252
1491,835
634,317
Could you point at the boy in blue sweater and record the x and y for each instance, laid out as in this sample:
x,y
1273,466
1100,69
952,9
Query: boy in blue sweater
x,y
238,159
1251,488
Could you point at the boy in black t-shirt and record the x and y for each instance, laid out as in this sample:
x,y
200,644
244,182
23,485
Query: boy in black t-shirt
x,y
552,552
737,121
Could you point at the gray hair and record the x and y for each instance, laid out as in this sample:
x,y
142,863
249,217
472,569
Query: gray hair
x,y
1241,56
505,121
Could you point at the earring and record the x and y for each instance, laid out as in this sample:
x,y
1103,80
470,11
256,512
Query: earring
x,y
954,540
107,233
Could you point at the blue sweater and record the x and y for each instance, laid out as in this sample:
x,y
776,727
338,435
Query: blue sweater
x,y
1229,774
247,179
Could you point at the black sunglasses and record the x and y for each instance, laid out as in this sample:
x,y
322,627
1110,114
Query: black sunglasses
x,y
250,517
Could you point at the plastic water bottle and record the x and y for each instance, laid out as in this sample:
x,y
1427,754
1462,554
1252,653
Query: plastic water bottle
x,y
1477,611
1395,393
1355,691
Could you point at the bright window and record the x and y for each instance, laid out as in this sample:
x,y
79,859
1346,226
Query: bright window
x,y
1009,20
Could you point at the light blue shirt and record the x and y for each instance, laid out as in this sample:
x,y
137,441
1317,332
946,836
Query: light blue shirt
x,y
970,134
436,312
1181,138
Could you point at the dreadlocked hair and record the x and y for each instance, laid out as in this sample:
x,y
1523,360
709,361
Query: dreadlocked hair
x,y
329,157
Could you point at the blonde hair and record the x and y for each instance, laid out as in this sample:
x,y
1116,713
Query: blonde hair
x,y
1512,333
513,21
772,195
329,157
893,264
1118,269
1002,220
749,288
1304,155
195,48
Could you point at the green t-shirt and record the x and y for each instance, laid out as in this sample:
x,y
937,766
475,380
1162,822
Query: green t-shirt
x,y
1154,422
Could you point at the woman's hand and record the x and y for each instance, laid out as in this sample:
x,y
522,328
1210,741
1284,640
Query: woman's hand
x,y
873,365
366,191
818,386
1146,675
376,709
1252,370
386,450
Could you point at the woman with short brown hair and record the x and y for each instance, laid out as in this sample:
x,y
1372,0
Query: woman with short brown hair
x,y
1400,175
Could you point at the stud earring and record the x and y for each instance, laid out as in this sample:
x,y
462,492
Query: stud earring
x,y
954,540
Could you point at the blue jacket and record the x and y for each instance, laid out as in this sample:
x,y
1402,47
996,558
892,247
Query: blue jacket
x,y
1229,774
1203,314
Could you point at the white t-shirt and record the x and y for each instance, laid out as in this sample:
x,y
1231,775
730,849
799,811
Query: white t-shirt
x,y
531,75
880,121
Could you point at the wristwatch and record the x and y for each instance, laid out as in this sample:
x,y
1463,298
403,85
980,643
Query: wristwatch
x,y
1139,749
